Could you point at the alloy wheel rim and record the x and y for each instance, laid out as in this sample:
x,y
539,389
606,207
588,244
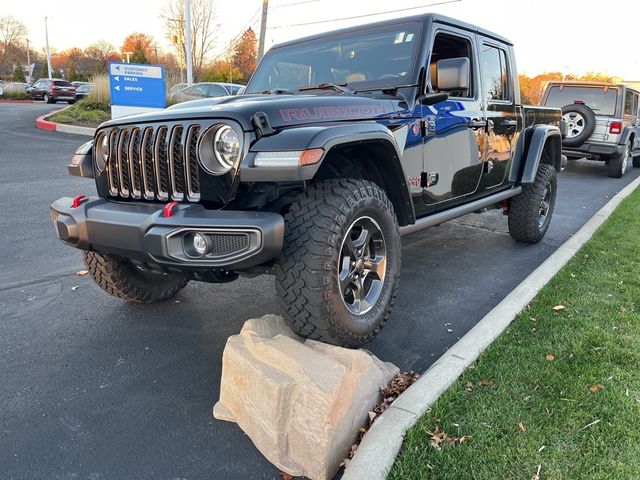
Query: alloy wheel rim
x,y
575,124
362,265
545,205
625,160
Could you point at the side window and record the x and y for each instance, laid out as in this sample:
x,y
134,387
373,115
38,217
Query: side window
x,y
628,103
199,90
217,91
446,45
495,74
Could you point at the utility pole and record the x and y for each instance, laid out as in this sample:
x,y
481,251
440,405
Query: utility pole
x,y
128,54
263,28
46,37
187,31
28,63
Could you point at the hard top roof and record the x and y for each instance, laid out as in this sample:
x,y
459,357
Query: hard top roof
x,y
424,18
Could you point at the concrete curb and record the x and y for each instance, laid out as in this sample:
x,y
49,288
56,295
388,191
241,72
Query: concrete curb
x,y
44,124
380,446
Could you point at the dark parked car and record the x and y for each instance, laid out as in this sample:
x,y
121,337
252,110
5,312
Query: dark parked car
x,y
53,89
205,90
82,91
341,143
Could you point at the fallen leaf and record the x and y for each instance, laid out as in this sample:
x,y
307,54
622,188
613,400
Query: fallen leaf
x,y
550,357
485,383
557,308
596,388
449,330
468,387
82,273
372,415
522,427
74,288
286,476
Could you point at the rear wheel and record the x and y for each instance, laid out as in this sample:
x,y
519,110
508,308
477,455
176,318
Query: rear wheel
x,y
618,164
530,212
339,270
121,278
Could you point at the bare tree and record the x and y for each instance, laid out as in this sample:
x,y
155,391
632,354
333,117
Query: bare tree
x,y
202,26
99,53
13,34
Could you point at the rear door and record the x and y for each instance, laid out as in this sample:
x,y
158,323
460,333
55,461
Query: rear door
x,y
498,97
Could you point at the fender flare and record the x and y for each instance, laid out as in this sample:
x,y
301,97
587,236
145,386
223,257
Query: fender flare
x,y
626,135
528,152
329,137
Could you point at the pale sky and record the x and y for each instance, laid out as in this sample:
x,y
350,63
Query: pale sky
x,y
549,35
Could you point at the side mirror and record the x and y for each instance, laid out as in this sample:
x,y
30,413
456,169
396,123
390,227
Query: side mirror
x,y
433,98
453,74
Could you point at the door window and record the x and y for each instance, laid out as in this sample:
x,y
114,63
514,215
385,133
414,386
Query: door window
x,y
199,90
495,74
217,91
446,46
629,103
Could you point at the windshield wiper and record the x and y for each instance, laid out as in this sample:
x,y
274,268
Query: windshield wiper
x,y
338,87
277,91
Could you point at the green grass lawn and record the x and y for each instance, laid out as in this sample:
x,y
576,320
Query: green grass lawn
x,y
85,112
559,390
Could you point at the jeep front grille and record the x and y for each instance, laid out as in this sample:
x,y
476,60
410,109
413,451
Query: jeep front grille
x,y
154,162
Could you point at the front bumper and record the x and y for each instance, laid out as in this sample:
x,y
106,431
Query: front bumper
x,y
141,232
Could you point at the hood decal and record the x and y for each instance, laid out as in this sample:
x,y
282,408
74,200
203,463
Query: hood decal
x,y
333,112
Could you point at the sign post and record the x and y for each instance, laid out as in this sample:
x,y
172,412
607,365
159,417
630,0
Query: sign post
x,y
136,88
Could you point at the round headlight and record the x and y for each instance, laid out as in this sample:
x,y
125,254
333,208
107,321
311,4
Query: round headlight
x,y
226,145
219,149
102,152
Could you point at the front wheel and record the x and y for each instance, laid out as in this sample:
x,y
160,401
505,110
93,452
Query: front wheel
x,y
530,212
618,164
123,279
338,274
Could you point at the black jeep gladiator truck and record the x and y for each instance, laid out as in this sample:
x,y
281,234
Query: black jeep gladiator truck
x,y
341,143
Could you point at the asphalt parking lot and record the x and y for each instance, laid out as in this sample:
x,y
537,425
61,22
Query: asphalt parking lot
x,y
96,388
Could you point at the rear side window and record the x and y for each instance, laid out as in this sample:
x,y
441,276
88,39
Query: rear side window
x,y
630,103
61,83
495,75
602,100
217,91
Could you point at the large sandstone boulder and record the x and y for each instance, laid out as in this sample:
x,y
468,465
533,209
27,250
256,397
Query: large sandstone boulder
x,y
300,401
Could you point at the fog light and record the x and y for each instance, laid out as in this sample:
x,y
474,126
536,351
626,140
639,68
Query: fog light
x,y
200,244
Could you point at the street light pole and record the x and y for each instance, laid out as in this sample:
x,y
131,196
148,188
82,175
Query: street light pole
x,y
46,36
28,63
187,31
263,28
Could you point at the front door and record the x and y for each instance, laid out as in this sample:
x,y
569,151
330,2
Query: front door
x,y
502,119
455,130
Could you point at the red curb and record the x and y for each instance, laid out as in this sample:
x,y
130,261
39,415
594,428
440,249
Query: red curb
x,y
8,100
43,124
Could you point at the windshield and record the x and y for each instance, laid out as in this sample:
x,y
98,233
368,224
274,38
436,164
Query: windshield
x,y
365,58
602,100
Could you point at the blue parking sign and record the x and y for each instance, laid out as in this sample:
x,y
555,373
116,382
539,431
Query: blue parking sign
x,y
137,85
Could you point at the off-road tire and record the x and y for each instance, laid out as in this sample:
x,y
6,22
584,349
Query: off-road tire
x,y
307,270
120,278
589,124
525,208
617,165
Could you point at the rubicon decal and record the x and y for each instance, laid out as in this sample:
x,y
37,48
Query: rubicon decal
x,y
332,112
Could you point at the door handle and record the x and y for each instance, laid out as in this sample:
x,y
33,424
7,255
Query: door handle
x,y
509,123
475,124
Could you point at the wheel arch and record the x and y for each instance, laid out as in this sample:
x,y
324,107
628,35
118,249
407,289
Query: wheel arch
x,y
541,143
364,150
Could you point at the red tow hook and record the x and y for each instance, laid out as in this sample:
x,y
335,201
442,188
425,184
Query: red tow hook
x,y
75,203
168,209
505,206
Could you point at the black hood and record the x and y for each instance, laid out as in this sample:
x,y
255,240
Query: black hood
x,y
282,110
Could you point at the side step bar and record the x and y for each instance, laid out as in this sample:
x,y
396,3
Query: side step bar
x,y
446,215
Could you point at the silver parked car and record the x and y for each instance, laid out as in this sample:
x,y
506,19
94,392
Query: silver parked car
x,y
603,122
205,90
